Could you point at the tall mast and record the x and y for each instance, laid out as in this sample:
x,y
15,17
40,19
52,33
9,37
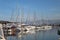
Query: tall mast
x,y
11,19
34,23
42,19
22,15
47,19
34,17
22,19
28,17
17,11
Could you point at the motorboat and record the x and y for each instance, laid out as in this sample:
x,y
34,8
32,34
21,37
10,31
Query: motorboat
x,y
46,27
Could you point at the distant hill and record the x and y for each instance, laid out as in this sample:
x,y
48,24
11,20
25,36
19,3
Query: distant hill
x,y
44,22
38,22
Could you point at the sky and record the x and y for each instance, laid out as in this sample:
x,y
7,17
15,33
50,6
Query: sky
x,y
46,9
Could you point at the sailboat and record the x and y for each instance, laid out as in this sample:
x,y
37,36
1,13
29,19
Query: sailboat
x,y
2,34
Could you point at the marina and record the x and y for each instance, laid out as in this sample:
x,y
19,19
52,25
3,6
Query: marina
x,y
29,19
40,35
31,32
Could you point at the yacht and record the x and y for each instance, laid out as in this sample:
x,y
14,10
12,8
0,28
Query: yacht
x,y
46,27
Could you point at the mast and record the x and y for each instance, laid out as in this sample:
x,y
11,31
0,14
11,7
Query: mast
x,y
28,18
11,19
42,19
22,19
34,18
34,23
17,11
47,19
22,15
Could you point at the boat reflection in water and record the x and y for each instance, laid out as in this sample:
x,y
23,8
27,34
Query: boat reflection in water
x,y
38,35
32,32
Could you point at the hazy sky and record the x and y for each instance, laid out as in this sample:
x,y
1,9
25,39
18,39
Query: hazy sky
x,y
47,9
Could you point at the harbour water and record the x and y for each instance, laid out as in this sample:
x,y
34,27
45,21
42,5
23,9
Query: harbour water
x,y
40,35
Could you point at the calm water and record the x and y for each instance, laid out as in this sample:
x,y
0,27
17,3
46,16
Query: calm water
x,y
41,35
